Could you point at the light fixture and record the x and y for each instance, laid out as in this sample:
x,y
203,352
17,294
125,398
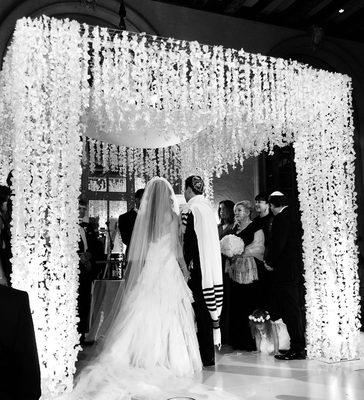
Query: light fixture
x,y
341,10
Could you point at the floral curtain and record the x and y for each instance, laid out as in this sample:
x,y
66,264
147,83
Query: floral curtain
x,y
204,108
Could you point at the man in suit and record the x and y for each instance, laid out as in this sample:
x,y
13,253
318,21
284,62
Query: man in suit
x,y
263,221
19,365
127,221
283,258
201,248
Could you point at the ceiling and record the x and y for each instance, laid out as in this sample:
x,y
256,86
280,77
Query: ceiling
x,y
339,18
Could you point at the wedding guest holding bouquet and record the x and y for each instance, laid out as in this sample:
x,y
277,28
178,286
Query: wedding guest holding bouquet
x,y
226,224
243,272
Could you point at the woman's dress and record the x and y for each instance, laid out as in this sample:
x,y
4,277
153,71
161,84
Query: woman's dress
x,y
154,335
244,299
225,312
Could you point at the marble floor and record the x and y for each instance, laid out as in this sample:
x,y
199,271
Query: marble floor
x,y
253,376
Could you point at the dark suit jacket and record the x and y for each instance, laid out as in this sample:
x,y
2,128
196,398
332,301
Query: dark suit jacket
x,y
126,226
284,251
19,365
191,255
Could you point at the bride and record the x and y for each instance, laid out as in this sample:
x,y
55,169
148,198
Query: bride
x,y
150,349
153,331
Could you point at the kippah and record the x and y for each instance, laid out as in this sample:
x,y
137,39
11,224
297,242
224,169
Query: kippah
x,y
276,193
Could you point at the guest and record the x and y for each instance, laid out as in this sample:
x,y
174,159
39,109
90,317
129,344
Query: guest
x,y
95,246
226,224
19,365
263,221
245,287
226,216
126,221
85,276
283,258
264,332
270,336
264,216
5,250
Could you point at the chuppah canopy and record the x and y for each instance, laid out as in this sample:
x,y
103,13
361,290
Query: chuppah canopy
x,y
205,108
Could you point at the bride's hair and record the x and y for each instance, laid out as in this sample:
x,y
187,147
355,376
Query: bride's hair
x,y
156,218
156,210
262,319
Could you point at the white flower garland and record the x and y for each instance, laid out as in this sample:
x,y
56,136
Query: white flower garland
x,y
222,105
6,121
325,156
47,171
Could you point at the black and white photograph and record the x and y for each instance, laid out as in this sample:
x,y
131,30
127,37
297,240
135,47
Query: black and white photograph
x,y
182,199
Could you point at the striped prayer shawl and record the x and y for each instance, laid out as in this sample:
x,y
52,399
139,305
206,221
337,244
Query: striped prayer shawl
x,y
210,258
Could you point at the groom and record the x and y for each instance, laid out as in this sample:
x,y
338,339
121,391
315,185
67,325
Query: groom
x,y
201,250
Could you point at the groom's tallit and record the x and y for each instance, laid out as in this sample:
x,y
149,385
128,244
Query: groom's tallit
x,y
210,258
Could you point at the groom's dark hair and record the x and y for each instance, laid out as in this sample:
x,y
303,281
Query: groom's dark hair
x,y
278,200
195,182
139,194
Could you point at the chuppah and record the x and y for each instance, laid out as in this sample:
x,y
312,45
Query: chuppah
x,y
151,106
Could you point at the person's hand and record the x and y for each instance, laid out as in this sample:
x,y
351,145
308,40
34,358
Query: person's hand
x,y
267,267
186,274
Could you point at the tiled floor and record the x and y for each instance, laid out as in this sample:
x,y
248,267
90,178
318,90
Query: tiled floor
x,y
252,376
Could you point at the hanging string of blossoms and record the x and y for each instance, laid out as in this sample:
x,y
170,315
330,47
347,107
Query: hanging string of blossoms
x,y
134,162
6,123
325,166
46,156
211,107
182,90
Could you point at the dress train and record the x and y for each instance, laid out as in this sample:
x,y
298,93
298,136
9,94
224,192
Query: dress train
x,y
152,351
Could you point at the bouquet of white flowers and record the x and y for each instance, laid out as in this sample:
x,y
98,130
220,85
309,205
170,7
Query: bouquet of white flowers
x,y
231,245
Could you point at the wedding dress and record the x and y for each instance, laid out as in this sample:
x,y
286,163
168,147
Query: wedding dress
x,y
151,349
